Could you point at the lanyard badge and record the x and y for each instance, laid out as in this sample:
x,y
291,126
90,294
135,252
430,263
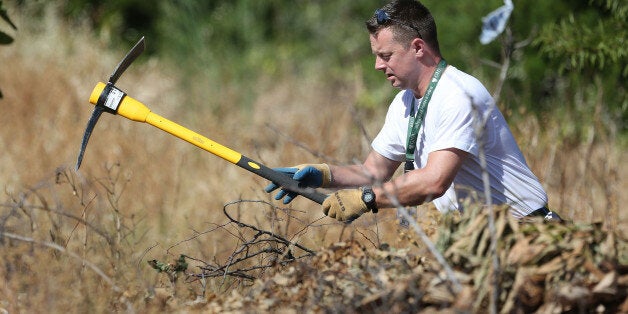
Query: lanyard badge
x,y
416,120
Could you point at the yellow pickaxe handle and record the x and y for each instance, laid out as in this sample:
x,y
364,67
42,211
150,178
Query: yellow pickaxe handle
x,y
134,110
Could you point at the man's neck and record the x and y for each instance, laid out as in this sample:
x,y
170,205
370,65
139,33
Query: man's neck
x,y
426,77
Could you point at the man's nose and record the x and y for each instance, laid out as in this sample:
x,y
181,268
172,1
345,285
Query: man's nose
x,y
379,64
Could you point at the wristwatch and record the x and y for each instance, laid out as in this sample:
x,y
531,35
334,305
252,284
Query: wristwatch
x,y
368,197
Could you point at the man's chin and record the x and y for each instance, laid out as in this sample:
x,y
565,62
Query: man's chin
x,y
396,84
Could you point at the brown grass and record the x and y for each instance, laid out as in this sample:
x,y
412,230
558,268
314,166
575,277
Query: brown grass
x,y
142,194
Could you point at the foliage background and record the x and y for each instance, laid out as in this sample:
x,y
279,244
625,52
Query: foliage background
x,y
572,46
284,82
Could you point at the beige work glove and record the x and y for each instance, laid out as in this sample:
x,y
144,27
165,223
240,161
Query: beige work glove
x,y
345,205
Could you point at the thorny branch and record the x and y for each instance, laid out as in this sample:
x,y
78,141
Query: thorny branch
x,y
259,251
275,236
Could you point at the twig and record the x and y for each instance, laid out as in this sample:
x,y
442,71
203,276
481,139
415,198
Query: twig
x,y
480,123
271,234
296,143
419,231
198,234
457,288
84,218
266,246
59,248
507,50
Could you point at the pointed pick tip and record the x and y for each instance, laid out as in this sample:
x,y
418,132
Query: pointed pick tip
x,y
88,133
79,160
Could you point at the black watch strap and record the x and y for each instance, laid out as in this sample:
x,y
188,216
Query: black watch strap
x,y
368,197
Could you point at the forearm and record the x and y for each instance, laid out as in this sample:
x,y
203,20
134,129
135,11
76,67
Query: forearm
x,y
421,185
413,188
375,170
350,176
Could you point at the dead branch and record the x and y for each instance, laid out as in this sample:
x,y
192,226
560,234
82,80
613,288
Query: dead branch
x,y
257,252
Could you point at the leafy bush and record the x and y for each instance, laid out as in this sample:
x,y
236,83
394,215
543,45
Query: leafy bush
x,y
569,52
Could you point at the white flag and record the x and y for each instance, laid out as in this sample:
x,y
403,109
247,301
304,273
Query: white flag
x,y
495,22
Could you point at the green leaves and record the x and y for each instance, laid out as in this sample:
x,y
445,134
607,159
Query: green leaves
x,y
171,269
179,266
586,42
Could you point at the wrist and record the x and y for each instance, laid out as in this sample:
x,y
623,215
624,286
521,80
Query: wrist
x,y
326,171
369,198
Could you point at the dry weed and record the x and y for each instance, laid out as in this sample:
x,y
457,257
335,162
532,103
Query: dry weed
x,y
80,241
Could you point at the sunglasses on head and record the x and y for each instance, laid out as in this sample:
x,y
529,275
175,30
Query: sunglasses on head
x,y
382,18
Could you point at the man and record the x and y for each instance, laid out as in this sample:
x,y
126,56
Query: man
x,y
430,125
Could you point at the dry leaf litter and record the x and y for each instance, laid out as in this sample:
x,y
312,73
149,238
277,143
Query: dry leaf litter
x,y
544,268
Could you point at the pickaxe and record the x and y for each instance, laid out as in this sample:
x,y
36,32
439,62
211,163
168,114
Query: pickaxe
x,y
108,98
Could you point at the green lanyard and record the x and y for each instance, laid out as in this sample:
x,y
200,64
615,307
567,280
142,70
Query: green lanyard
x,y
415,121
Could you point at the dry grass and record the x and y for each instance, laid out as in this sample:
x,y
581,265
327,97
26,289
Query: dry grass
x,y
142,194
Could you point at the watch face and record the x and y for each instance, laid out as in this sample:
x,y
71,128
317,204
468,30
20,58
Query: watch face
x,y
368,197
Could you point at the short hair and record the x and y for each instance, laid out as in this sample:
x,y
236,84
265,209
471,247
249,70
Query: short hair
x,y
405,18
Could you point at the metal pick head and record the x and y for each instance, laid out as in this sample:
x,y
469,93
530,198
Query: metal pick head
x,y
128,59
112,95
88,132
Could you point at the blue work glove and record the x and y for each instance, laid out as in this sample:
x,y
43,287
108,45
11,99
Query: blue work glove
x,y
308,175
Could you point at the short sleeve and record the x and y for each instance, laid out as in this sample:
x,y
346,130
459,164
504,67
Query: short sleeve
x,y
455,126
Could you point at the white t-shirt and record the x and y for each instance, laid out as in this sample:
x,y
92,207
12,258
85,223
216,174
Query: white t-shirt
x,y
449,123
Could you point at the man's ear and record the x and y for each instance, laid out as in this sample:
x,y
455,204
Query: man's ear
x,y
417,45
